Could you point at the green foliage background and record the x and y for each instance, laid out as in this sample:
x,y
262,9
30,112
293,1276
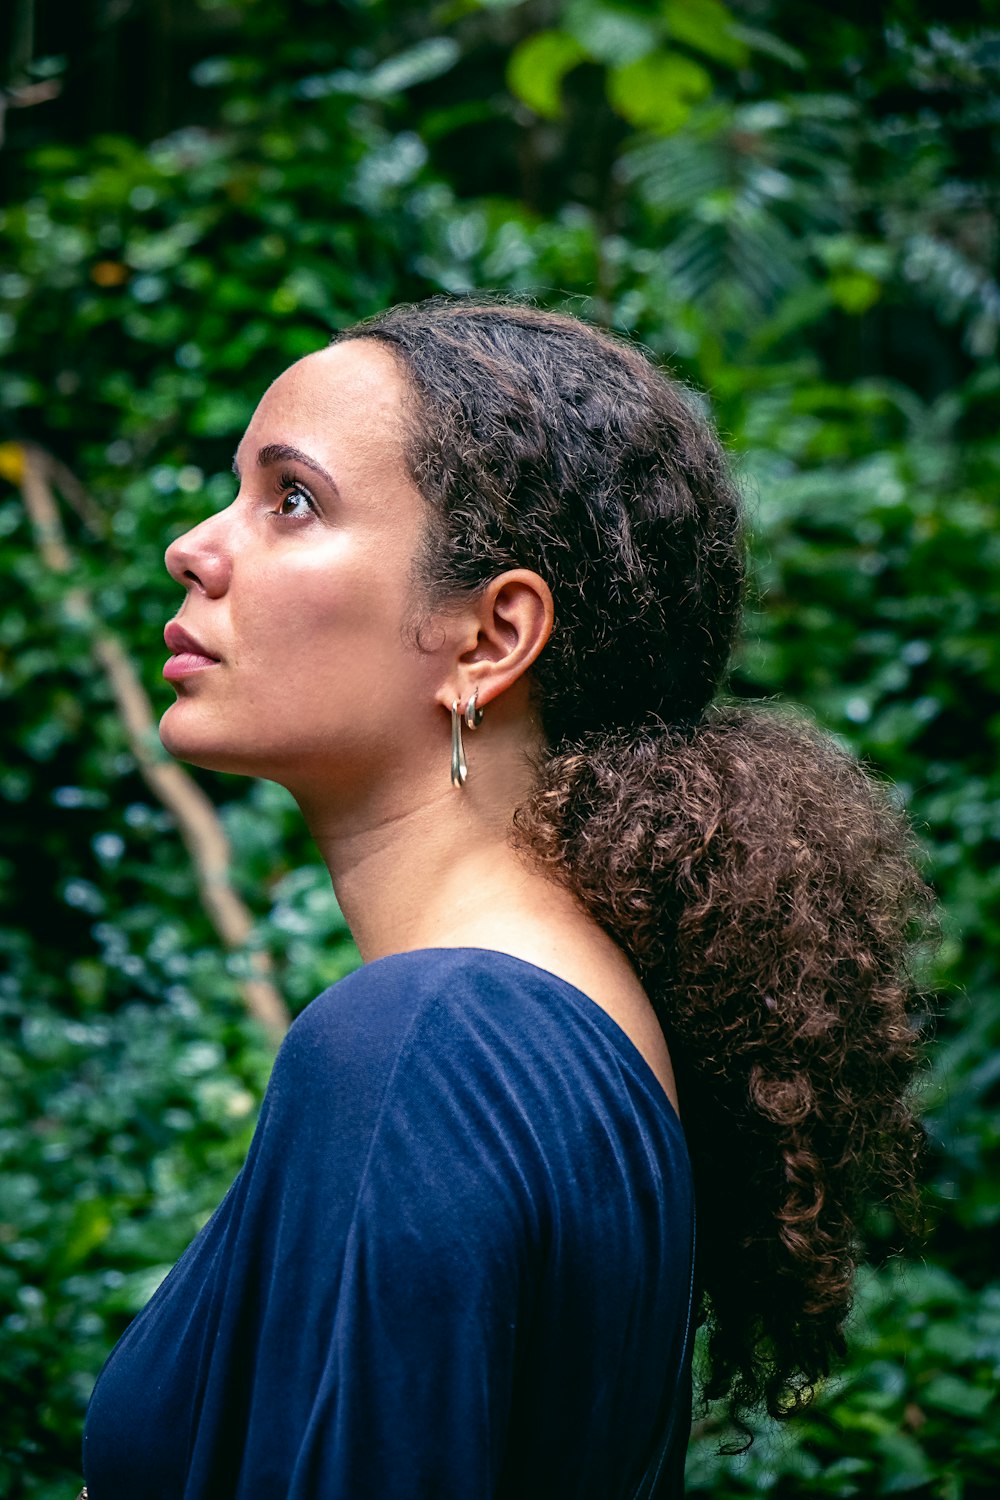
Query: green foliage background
x,y
796,209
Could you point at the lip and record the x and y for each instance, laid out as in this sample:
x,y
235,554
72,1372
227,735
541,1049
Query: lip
x,y
187,654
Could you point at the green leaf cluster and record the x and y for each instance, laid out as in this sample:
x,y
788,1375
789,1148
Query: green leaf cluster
x,y
655,57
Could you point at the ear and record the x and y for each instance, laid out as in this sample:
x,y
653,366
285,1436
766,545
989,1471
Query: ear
x,y
503,633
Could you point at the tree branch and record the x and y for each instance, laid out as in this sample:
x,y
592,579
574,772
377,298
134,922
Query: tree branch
x,y
197,819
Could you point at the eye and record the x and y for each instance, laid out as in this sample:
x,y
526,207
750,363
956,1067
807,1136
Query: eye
x,y
294,499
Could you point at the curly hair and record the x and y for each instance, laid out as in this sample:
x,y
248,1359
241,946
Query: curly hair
x,y
761,880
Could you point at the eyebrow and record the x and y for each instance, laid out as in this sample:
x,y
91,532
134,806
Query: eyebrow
x,y
281,453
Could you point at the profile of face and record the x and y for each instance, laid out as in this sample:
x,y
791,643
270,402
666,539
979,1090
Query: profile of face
x,y
301,592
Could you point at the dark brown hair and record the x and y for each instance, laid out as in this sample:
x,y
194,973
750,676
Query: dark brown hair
x,y
762,882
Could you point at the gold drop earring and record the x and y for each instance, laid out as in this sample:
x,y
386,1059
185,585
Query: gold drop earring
x,y
473,717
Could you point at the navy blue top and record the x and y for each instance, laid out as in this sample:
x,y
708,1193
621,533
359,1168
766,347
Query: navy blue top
x,y
454,1266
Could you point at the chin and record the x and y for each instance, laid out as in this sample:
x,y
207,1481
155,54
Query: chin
x,y
198,746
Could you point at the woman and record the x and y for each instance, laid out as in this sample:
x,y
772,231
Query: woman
x,y
471,606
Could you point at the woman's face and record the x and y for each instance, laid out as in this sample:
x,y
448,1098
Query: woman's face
x,y
301,591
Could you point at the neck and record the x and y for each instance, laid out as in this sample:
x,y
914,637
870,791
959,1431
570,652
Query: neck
x,y
423,864
431,866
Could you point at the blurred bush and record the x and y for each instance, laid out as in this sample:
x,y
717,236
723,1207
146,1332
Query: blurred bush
x,y
794,209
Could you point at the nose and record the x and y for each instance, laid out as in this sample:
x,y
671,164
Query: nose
x,y
199,560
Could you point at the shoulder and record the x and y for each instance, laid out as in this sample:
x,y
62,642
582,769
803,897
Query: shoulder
x,y
466,1085
464,998
471,1041
406,1082
428,1029
449,1048
479,1015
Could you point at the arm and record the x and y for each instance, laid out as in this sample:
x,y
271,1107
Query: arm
x,y
411,1367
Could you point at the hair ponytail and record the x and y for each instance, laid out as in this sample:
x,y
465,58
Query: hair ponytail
x,y
764,886
761,880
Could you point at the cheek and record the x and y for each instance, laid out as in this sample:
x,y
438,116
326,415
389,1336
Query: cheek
x,y
333,606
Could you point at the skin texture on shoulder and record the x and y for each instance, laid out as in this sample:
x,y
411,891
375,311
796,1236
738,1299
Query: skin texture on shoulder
x,y
304,654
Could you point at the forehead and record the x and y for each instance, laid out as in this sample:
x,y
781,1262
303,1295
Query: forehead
x,y
353,390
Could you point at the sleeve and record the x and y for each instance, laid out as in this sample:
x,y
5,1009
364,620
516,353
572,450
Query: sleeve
x,y
396,1320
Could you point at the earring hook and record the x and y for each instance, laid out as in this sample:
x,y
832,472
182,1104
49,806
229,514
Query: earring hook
x,y
473,714
473,717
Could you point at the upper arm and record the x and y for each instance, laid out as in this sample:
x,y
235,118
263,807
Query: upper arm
x,y
419,1298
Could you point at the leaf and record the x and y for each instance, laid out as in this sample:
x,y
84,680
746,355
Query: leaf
x,y
855,291
537,68
657,92
707,27
12,462
610,33
419,64
89,1227
907,1464
758,40
952,1394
